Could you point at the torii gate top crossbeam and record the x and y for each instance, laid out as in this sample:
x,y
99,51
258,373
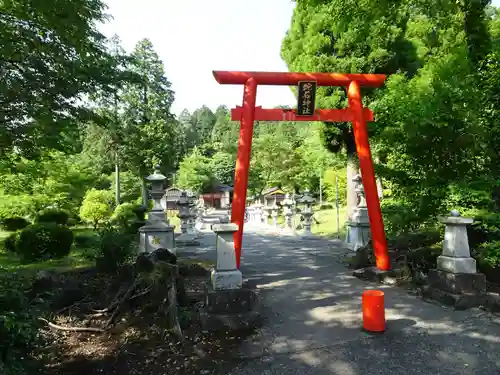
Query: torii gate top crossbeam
x,y
292,79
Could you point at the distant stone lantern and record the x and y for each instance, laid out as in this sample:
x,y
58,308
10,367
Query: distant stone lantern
x,y
307,212
288,212
157,180
188,236
157,233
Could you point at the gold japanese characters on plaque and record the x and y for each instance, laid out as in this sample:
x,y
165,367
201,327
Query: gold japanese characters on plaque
x,y
306,95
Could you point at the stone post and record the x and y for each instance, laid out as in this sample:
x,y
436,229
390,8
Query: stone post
x,y
157,233
456,281
307,213
186,238
358,228
225,275
229,303
288,212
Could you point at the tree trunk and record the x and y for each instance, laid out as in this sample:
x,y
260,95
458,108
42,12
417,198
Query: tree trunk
x,y
117,183
352,170
144,192
380,189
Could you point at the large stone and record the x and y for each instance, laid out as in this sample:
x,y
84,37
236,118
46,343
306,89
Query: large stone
x,y
226,280
457,283
233,310
456,265
152,238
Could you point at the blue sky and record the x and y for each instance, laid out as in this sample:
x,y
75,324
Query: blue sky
x,y
201,36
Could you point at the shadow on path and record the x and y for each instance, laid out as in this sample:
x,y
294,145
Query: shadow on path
x,y
312,319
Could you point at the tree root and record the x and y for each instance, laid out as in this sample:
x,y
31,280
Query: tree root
x,y
72,329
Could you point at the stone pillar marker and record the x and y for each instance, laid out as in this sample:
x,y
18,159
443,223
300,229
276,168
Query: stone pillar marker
x,y
225,275
358,229
229,303
307,213
157,233
455,281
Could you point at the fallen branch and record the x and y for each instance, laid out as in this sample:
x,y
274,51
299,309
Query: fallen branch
x,y
72,329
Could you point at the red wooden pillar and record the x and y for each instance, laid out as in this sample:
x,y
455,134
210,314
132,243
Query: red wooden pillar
x,y
243,163
368,175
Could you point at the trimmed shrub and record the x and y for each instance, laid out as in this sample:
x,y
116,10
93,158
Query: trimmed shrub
x,y
84,240
14,223
115,249
9,244
96,207
53,215
43,241
124,214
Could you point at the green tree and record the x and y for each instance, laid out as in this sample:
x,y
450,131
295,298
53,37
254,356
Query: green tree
x,y
195,173
51,57
148,132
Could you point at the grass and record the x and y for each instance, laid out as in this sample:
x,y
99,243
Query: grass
x,y
76,258
326,224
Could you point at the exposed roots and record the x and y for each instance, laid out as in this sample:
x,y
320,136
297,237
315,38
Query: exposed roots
x,y
158,285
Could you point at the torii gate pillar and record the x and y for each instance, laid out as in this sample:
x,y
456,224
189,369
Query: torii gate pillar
x,y
355,113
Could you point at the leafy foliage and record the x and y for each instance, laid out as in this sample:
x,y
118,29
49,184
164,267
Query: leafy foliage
x,y
53,216
14,223
43,241
115,248
96,207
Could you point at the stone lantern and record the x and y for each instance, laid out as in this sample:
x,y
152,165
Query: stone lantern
x,y
307,212
266,214
288,212
185,215
358,228
455,281
259,213
157,233
274,214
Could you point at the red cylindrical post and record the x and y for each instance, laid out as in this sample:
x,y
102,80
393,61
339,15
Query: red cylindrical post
x,y
368,176
243,163
373,306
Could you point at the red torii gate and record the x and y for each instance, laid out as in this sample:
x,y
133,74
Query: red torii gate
x,y
354,113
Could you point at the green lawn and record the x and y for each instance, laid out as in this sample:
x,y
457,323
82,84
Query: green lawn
x,y
74,260
327,222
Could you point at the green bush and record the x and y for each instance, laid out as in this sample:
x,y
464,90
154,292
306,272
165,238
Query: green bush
x,y
53,215
489,252
19,324
43,241
9,244
14,223
84,240
115,248
399,218
96,207
125,214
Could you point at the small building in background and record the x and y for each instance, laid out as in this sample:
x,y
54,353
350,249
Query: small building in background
x,y
271,195
172,195
220,196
